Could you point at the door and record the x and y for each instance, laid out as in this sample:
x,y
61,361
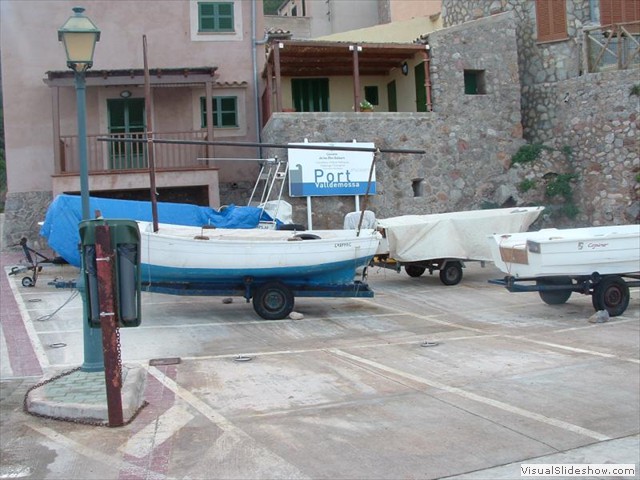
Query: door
x,y
392,98
126,120
421,89
310,94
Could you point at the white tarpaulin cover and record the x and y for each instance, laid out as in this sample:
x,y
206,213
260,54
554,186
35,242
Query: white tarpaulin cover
x,y
462,235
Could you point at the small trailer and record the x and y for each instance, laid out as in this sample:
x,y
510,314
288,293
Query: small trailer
x,y
599,261
608,292
450,269
34,263
445,241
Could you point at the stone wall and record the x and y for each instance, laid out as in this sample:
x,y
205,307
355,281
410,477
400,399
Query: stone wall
x,y
591,115
538,62
469,139
23,211
597,118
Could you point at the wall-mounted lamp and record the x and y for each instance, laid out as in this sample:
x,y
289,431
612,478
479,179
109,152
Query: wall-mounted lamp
x,y
125,94
405,68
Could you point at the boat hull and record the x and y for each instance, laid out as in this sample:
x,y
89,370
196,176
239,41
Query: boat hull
x,y
232,258
568,252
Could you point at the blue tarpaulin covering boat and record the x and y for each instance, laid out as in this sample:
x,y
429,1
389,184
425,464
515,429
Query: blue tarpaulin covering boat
x,y
60,227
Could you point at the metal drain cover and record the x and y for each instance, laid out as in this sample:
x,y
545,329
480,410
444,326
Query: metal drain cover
x,y
164,361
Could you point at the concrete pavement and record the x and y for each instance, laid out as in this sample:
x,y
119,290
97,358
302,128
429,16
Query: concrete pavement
x,y
422,381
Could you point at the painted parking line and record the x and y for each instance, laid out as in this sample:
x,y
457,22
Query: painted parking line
x,y
81,449
233,439
154,434
575,349
474,397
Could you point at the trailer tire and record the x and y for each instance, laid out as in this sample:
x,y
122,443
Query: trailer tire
x,y
28,282
611,294
273,301
414,270
451,274
554,297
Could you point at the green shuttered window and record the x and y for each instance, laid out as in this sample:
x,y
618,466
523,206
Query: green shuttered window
x,y
225,112
215,17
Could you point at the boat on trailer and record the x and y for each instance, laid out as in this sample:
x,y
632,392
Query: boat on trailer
x,y
268,266
599,261
444,241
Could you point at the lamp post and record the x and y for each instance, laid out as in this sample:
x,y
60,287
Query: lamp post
x,y
79,36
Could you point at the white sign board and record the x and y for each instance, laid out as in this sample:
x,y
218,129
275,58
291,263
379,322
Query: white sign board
x,y
315,173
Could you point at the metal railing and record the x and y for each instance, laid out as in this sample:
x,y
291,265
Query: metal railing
x,y
122,156
612,47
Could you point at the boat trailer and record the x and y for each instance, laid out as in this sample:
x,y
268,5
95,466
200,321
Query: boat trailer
x,y
450,269
272,299
608,292
35,261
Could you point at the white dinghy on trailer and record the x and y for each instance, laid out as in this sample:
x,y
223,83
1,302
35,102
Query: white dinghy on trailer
x,y
599,261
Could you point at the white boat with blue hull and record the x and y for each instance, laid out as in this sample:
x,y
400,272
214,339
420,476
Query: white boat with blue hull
x,y
268,266
599,261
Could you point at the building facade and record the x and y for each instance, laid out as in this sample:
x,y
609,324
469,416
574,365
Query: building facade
x,y
203,58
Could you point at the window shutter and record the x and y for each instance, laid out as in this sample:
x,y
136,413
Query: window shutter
x,y
551,18
619,11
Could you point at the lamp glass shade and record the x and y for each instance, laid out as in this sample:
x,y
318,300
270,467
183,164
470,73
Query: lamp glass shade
x,y
79,36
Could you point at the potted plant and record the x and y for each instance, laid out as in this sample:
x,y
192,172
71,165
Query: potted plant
x,y
366,106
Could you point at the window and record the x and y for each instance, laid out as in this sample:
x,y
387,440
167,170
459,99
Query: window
x,y
474,83
215,17
310,94
371,95
551,17
620,11
225,112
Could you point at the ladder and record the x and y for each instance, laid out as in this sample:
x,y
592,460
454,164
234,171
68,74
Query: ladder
x,y
271,180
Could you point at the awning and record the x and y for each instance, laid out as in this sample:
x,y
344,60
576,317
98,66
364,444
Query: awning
x,y
178,76
314,58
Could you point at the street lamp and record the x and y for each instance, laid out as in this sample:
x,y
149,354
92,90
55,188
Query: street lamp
x,y
79,36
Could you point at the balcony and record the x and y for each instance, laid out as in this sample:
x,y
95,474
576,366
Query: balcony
x,y
115,157
612,47
122,166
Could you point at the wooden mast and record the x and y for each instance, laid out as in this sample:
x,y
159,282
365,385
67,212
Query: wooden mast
x,y
148,101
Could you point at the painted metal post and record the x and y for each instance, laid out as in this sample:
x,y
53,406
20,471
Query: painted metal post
x,y
93,360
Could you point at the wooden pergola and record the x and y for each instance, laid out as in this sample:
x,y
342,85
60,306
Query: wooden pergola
x,y
308,58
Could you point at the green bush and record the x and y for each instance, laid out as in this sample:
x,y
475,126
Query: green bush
x,y
561,186
527,153
526,185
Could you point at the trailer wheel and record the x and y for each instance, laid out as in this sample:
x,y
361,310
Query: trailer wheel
x,y
611,294
414,270
554,297
451,274
273,301
28,282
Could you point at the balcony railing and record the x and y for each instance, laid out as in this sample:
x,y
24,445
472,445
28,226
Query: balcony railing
x,y
120,156
612,47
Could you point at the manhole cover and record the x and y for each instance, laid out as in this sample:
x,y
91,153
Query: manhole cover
x,y
164,361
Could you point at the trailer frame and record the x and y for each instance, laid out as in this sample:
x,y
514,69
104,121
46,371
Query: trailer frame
x,y
608,292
